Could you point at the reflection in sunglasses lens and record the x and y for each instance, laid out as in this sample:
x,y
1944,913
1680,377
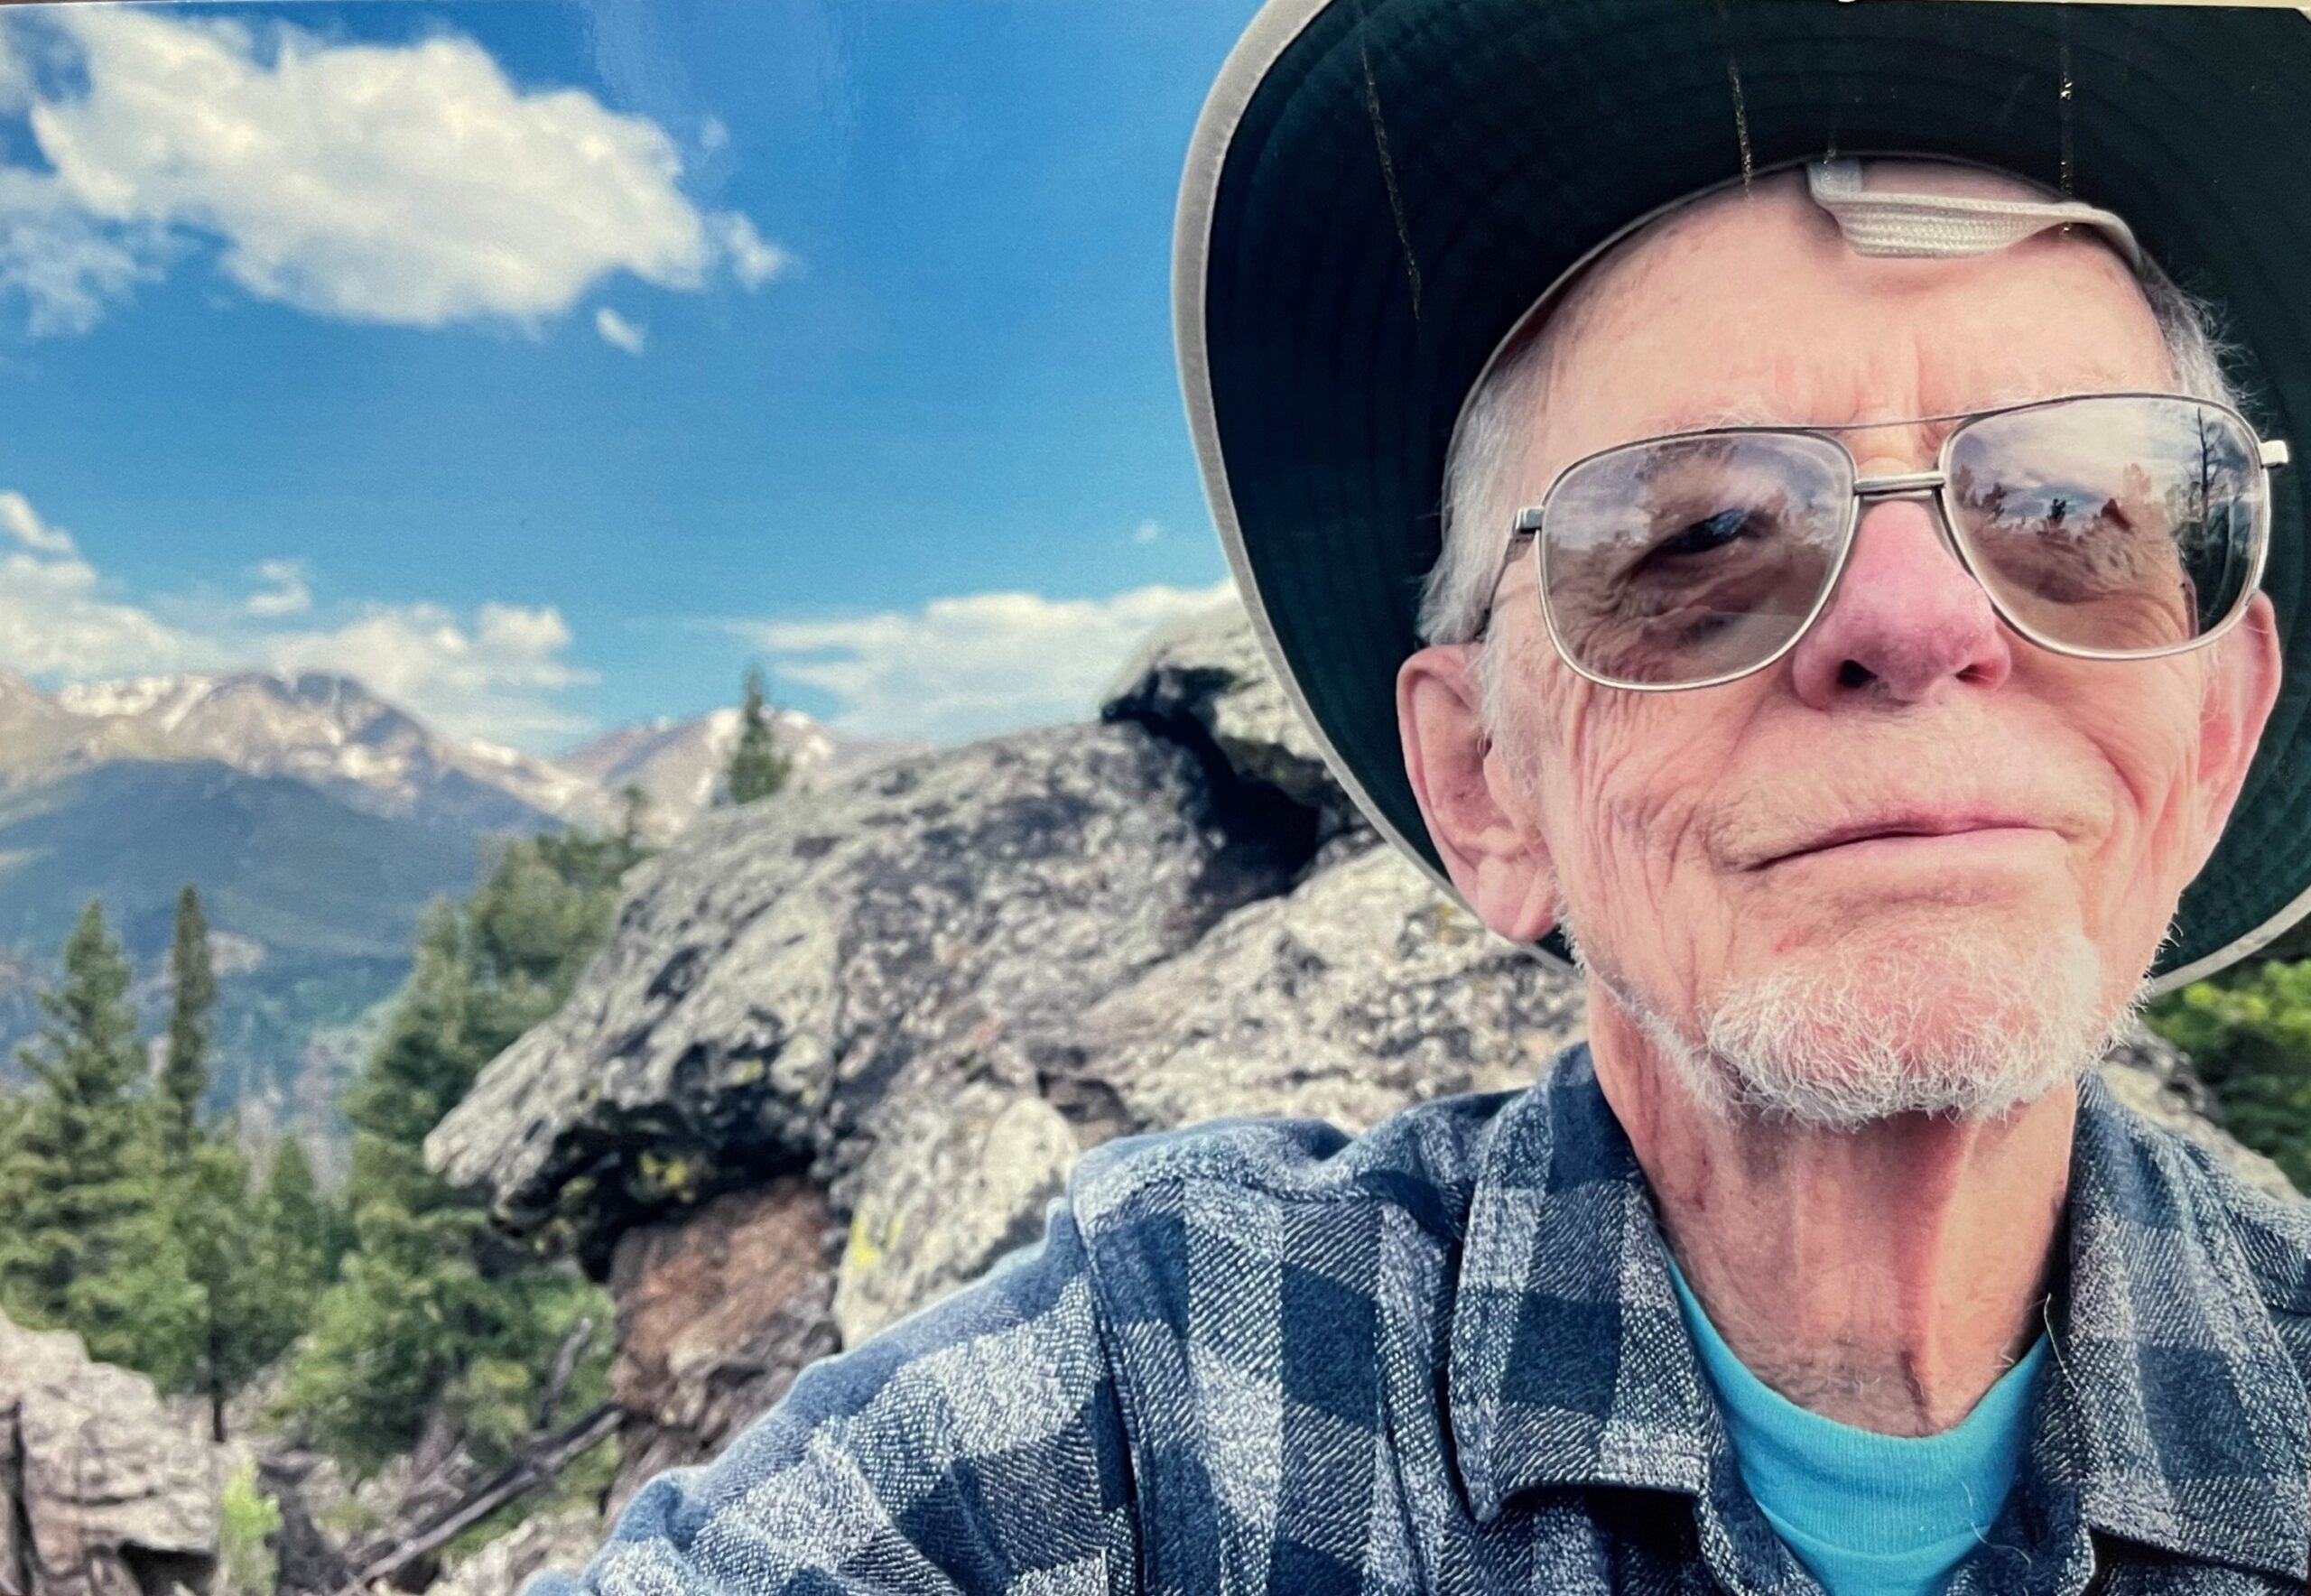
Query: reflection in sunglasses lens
x,y
2119,524
1678,561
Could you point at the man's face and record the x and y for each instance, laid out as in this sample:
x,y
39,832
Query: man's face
x,y
2020,824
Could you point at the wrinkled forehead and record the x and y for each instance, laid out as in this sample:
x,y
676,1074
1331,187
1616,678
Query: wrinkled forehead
x,y
1900,230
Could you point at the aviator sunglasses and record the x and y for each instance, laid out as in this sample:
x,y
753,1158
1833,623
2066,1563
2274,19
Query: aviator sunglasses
x,y
2113,526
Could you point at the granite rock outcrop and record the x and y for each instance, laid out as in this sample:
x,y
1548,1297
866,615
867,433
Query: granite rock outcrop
x,y
104,1490
842,1050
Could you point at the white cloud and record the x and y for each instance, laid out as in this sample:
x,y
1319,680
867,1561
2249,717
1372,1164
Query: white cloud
x,y
54,620
753,261
495,676
971,665
411,184
499,671
286,590
64,265
22,523
1146,532
619,332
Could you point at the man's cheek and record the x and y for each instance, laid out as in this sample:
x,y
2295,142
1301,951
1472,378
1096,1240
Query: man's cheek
x,y
2148,789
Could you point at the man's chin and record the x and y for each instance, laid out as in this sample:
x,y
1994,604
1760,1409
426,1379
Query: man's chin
x,y
1944,1021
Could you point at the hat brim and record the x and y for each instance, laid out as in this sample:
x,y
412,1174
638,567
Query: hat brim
x,y
1377,189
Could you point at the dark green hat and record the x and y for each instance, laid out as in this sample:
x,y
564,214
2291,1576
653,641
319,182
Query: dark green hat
x,y
1379,190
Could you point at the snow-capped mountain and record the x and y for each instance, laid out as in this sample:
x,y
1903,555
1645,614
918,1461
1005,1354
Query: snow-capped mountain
x,y
332,733
326,731
678,764
317,819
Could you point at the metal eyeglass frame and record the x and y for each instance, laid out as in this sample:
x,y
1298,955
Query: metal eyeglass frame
x,y
1932,485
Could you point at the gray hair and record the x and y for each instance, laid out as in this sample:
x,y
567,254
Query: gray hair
x,y
1484,484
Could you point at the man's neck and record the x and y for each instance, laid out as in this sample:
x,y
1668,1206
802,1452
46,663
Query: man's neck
x,y
1884,1277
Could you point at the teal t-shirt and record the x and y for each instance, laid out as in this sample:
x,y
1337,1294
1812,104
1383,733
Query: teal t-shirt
x,y
1871,1515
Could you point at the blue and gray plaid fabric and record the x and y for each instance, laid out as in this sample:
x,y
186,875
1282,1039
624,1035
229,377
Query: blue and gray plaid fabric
x,y
1444,1357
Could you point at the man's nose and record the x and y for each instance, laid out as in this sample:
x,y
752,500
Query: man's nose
x,y
1905,618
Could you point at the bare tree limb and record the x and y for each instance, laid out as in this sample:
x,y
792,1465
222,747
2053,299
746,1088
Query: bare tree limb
x,y
565,1365
535,1468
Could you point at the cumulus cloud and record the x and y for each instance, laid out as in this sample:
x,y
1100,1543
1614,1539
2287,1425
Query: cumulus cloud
x,y
1146,532
55,620
619,332
285,591
493,674
20,521
975,664
500,671
412,185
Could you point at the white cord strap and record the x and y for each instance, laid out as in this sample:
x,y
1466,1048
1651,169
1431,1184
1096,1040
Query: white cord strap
x,y
1882,221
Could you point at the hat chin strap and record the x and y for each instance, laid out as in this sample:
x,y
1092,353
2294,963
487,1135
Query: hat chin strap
x,y
1885,221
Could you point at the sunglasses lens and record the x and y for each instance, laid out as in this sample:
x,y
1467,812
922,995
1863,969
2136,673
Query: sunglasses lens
x,y
1681,560
2115,524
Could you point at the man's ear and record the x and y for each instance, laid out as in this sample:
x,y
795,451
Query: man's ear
x,y
2242,687
1499,864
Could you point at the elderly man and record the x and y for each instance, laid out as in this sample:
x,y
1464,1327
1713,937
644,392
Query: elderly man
x,y
1849,640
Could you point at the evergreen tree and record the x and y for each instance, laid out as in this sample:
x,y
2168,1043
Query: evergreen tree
x,y
192,999
88,1244
253,1302
70,1165
757,768
431,1311
304,1230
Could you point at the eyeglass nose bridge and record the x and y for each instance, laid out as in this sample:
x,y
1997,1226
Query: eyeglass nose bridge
x,y
1901,485
1928,486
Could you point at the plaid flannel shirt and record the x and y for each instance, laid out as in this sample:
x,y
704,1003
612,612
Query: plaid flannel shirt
x,y
1444,1357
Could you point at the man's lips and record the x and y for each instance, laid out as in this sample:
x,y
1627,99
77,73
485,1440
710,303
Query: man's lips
x,y
1909,826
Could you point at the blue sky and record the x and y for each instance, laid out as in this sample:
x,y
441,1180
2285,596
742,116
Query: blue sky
x,y
543,363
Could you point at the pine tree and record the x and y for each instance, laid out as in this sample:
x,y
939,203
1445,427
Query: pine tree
x,y
192,994
303,1229
71,1167
89,1244
249,1310
757,768
431,1313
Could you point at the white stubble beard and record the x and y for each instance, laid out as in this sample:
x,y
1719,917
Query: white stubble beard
x,y
1962,1028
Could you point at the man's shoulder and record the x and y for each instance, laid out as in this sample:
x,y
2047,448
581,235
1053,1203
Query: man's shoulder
x,y
1420,1161
2161,1179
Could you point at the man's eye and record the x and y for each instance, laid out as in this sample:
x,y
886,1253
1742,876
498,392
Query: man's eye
x,y
1713,531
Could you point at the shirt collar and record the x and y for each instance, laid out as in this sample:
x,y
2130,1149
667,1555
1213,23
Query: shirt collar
x,y
2172,1415
1570,1363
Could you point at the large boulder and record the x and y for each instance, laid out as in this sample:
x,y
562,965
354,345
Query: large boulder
x,y
103,1491
957,1178
1204,678
770,976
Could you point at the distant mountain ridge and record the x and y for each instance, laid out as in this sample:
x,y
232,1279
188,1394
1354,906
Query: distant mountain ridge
x,y
329,731
318,820
678,764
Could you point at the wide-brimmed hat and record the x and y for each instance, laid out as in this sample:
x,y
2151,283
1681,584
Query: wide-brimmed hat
x,y
1379,190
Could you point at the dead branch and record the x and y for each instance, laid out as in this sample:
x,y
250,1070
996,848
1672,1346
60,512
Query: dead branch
x,y
565,1365
536,1467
